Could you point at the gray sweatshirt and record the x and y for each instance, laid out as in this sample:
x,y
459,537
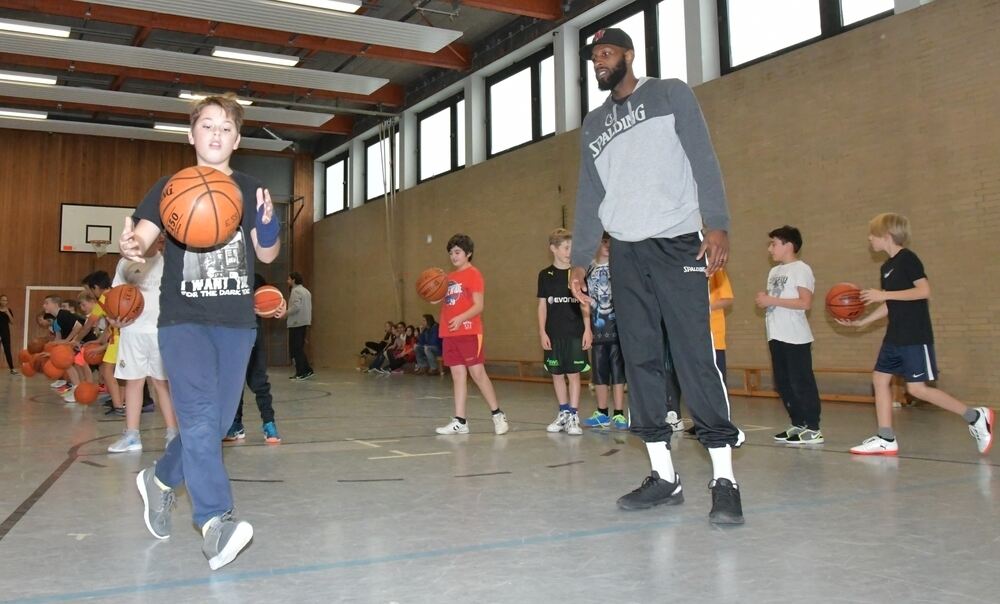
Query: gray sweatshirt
x,y
300,308
647,170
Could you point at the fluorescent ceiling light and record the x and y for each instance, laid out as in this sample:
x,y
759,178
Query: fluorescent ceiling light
x,y
172,127
30,78
346,6
187,95
30,27
24,114
254,56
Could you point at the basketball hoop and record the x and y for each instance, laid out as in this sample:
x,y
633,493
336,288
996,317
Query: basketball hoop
x,y
100,246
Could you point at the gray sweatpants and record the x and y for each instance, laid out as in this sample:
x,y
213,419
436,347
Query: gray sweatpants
x,y
658,287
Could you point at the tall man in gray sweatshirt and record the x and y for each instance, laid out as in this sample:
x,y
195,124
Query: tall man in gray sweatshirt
x,y
298,319
650,178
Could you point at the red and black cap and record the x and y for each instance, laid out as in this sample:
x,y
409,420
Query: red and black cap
x,y
611,35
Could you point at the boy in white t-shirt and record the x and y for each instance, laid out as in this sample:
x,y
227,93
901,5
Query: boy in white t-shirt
x,y
139,350
789,295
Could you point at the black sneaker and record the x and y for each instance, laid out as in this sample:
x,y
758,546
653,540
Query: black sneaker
x,y
307,375
653,491
119,411
726,505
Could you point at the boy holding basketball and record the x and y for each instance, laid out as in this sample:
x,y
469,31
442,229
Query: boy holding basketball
x,y
206,331
462,336
564,329
789,295
908,347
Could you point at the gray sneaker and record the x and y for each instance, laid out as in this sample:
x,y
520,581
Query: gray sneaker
x,y
157,503
225,538
129,442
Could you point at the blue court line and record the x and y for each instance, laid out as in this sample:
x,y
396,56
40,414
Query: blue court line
x,y
690,518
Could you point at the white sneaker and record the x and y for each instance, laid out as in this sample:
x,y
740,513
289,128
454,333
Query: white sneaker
x,y
676,423
129,441
573,425
68,395
500,425
560,422
57,384
876,445
982,429
455,427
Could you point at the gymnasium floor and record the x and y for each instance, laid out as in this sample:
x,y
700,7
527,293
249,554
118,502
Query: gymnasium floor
x,y
364,503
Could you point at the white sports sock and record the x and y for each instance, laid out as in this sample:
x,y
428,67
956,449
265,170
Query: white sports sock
x,y
162,486
660,460
722,462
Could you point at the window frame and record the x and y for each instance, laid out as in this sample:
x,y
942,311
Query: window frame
x,y
830,21
531,62
393,150
346,158
452,104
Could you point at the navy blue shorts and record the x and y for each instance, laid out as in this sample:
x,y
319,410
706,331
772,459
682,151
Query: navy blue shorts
x,y
916,362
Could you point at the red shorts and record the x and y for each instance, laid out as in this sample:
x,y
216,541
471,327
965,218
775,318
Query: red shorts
x,y
463,350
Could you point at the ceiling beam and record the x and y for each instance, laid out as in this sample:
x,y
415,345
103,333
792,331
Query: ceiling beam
x,y
390,95
455,56
549,10
336,125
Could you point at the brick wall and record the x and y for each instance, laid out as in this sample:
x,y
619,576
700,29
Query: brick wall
x,y
899,115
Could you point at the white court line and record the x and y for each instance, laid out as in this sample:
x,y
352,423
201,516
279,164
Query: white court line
x,y
753,428
401,454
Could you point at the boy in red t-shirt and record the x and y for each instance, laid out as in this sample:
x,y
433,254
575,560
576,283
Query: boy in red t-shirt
x,y
462,336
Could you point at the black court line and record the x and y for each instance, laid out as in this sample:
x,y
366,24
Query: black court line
x,y
483,474
93,463
371,480
250,479
568,463
609,453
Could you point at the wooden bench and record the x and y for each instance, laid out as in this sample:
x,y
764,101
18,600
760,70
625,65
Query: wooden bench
x,y
752,384
528,371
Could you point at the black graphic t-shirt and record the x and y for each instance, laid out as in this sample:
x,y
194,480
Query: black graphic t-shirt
x,y
602,311
213,286
563,318
910,321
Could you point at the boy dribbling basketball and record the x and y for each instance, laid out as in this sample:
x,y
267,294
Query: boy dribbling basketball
x,y
908,347
206,331
462,337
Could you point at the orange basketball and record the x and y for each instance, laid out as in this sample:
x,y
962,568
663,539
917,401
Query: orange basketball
x,y
843,301
93,353
85,393
432,284
49,346
201,207
38,361
51,371
27,369
267,300
62,356
24,356
123,302
37,345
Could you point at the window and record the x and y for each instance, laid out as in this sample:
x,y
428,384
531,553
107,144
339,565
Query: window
x,y
441,138
336,185
520,102
761,28
751,31
381,165
672,43
852,11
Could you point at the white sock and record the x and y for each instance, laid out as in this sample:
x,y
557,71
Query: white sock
x,y
162,486
722,462
660,460
204,527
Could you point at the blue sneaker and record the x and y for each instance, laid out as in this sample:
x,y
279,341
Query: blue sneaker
x,y
620,422
597,420
271,433
236,432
